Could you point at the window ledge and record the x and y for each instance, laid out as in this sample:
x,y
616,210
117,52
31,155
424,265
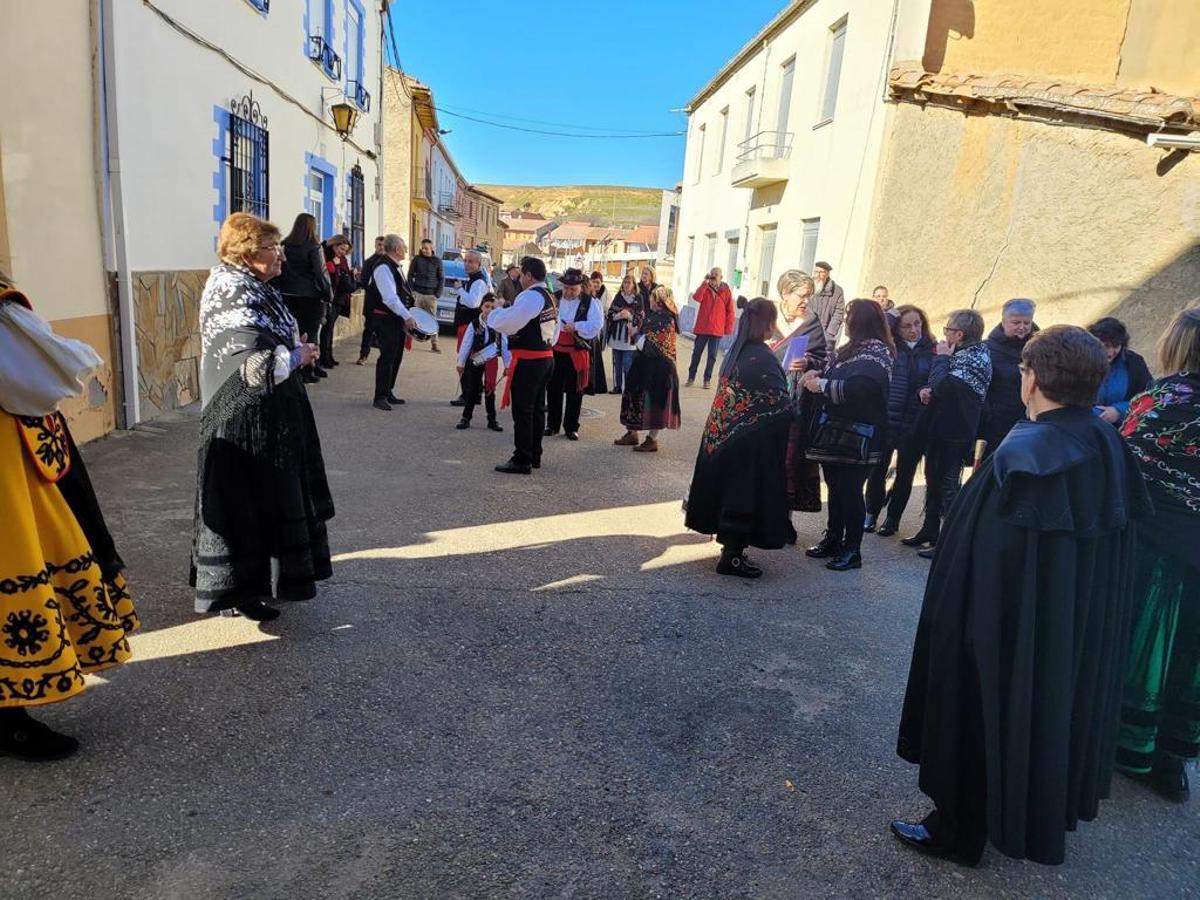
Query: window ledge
x,y
822,123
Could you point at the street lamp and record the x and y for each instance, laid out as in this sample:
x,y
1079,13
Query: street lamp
x,y
344,117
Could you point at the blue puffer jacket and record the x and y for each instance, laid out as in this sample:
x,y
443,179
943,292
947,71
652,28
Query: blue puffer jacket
x,y
909,374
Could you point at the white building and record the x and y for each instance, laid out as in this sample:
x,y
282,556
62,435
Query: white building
x,y
444,211
212,107
782,148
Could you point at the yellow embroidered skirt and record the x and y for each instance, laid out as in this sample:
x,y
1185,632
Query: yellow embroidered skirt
x,y
59,617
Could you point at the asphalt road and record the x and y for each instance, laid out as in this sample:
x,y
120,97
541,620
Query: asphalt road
x,y
512,687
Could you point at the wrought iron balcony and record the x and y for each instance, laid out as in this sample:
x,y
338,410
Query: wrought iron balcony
x,y
319,51
447,205
359,92
763,159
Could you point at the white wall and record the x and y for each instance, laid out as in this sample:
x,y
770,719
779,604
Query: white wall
x,y
832,164
169,88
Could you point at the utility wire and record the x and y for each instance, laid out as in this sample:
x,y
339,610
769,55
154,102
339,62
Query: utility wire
x,y
452,108
660,134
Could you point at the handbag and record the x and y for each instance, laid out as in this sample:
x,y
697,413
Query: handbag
x,y
836,439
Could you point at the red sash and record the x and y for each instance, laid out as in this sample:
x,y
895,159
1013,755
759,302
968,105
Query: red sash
x,y
517,356
581,359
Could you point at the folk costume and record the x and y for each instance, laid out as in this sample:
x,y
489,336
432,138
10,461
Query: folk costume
x,y
650,401
804,476
387,295
481,353
64,607
625,312
1160,720
262,499
573,355
1014,689
468,299
531,324
739,485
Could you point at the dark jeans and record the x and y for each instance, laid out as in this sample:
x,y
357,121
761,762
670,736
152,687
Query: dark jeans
x,y
622,360
368,334
528,396
327,329
847,509
908,457
712,342
307,311
390,330
562,387
473,377
943,478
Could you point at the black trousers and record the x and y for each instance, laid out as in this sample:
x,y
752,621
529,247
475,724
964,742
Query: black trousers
x,y
943,478
528,395
390,330
368,334
308,312
327,328
472,381
908,456
710,341
847,508
564,400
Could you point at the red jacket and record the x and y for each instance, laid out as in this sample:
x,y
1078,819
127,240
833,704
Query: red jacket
x,y
716,310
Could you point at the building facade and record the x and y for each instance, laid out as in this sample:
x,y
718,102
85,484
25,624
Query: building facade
x,y
484,212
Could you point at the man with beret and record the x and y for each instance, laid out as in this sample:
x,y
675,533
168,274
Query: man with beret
x,y
828,304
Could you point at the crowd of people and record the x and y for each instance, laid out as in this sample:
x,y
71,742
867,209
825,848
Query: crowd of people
x,y
1060,631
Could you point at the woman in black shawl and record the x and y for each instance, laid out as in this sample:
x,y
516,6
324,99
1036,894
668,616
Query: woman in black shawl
x,y
262,499
739,486
1160,720
651,397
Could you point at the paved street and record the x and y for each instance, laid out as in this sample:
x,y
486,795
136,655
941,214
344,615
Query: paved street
x,y
512,687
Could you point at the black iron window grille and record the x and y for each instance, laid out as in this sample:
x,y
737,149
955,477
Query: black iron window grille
x,y
249,175
263,6
319,51
361,96
357,217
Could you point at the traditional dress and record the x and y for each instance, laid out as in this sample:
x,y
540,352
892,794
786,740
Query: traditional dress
x,y
650,401
480,355
64,608
804,476
1162,683
575,358
1015,684
739,486
530,323
262,499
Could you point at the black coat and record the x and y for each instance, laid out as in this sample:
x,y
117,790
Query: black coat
x,y
1002,408
425,275
1014,691
909,374
304,273
857,391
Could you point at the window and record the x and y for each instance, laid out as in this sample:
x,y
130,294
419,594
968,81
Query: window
x,y
247,159
318,25
700,155
356,214
691,258
833,71
724,136
731,270
355,42
710,252
749,130
787,75
766,258
811,229
316,198
319,187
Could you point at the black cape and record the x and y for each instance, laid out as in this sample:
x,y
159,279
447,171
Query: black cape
x,y
1021,645
739,486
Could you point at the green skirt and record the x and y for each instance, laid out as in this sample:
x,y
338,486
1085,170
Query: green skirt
x,y
1161,712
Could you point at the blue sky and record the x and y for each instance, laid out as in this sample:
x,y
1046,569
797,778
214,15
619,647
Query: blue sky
x,y
603,67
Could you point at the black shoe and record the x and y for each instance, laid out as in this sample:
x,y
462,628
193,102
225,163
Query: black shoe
x,y
738,565
319,372
310,378
537,463
493,425
550,432
26,738
826,548
333,363
382,404
888,528
257,611
844,561
1169,779
463,424
918,837
572,435
690,382
706,384
927,553
616,391
394,400
869,524
514,468
920,539
458,401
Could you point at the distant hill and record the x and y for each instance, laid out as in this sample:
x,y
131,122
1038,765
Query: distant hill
x,y
598,204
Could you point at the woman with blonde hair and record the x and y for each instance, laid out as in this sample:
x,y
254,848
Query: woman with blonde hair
x,y
651,398
262,499
1160,719
624,313
64,609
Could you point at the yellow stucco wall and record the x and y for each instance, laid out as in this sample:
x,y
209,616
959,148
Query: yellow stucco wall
x,y
1160,47
973,210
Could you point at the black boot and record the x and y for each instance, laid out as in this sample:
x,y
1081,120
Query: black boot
x,y
888,528
738,564
26,738
869,524
927,536
1169,778
844,561
493,425
826,548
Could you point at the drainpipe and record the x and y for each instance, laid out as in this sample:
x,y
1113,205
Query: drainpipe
x,y
114,223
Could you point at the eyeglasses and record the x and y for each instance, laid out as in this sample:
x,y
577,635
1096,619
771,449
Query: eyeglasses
x,y
1022,367
272,248
949,330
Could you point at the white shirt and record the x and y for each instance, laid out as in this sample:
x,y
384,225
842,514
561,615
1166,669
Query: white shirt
x,y
464,351
472,298
589,328
527,306
386,283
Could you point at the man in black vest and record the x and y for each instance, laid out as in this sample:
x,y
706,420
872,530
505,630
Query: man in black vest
x,y
368,270
466,307
579,322
530,324
386,295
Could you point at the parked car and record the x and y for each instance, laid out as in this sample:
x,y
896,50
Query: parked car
x,y
455,274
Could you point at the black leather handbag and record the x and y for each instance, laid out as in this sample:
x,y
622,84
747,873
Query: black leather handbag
x,y
838,440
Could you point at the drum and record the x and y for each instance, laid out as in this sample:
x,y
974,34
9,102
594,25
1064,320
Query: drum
x,y
484,356
425,324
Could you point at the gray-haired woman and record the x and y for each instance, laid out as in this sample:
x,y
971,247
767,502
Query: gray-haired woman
x,y
1002,408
